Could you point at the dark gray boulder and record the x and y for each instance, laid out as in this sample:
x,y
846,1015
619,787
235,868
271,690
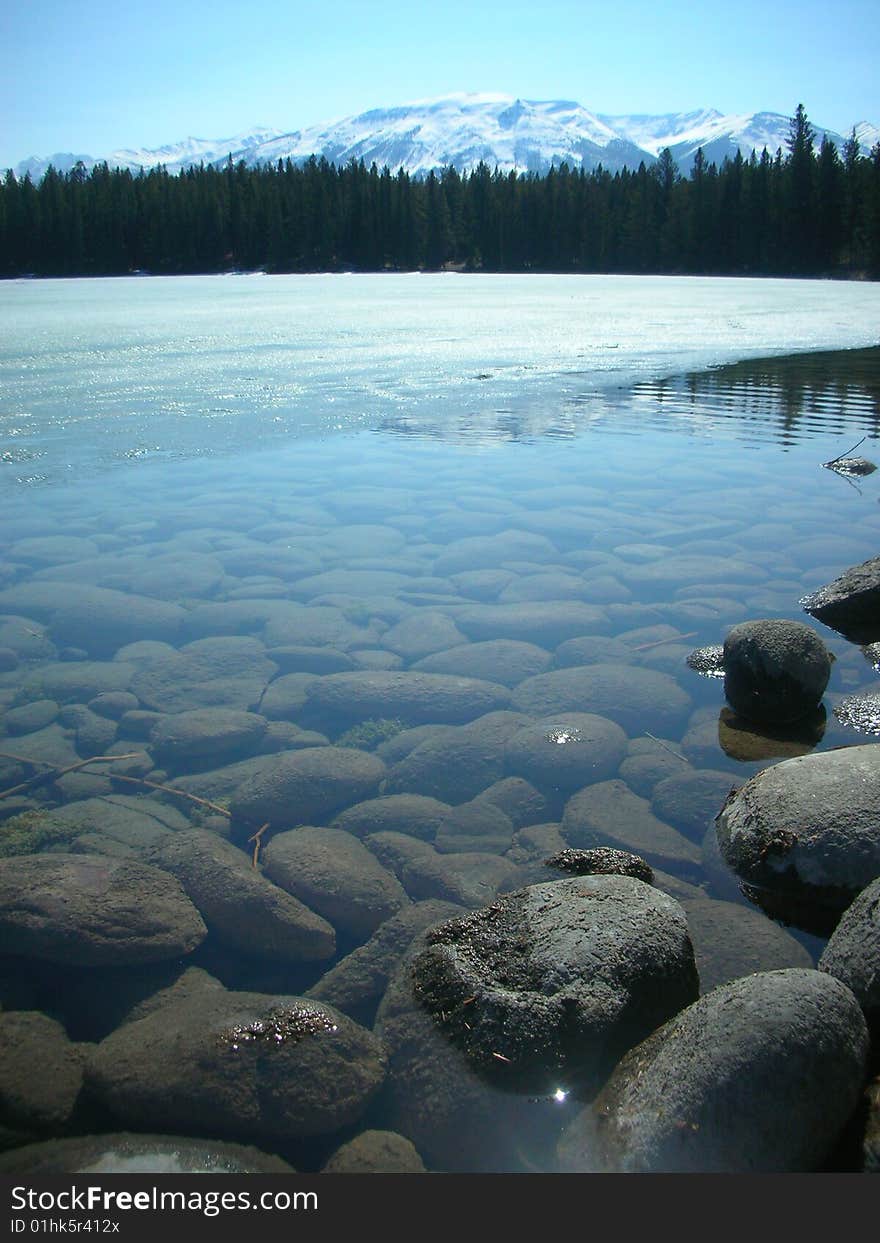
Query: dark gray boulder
x,y
243,1064
376,1152
805,834
415,814
555,982
94,910
775,670
609,814
333,873
564,752
601,861
41,1072
851,603
342,699
626,694
759,1076
852,954
227,671
98,619
206,737
239,905
359,979
504,661
307,786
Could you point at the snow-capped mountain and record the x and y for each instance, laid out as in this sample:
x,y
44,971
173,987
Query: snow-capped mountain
x,y
463,130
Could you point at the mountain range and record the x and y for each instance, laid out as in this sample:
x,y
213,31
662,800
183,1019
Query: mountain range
x,y
465,129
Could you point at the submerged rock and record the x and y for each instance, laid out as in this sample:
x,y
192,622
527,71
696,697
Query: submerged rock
x,y
554,982
759,1076
805,834
852,955
93,910
124,1153
775,670
41,1071
851,603
239,1064
376,1152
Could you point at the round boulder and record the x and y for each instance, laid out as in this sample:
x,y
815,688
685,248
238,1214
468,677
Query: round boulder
x,y
555,982
566,751
853,952
241,1065
307,786
94,910
759,1076
805,834
775,670
122,1153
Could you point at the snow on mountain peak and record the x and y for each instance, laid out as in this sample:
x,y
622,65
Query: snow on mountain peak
x,y
466,128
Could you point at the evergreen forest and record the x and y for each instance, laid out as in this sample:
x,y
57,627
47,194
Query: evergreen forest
x,y
811,210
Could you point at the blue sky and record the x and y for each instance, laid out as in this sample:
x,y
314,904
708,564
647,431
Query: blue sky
x,y
93,75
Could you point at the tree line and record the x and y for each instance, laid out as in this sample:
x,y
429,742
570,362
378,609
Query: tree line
x,y
811,210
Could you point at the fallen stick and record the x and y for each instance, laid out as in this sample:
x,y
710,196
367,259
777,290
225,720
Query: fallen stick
x,y
53,774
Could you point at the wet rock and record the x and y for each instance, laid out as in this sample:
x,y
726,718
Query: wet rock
x,y
518,799
852,954
775,670
307,786
601,861
295,658
563,752
481,584
503,661
451,767
414,698
455,1118
691,800
625,694
591,650
545,624
93,910
52,549
8,660
28,718
558,979
113,704
41,1072
124,1153
720,1088
470,878
421,634
871,1142
709,661
479,552
95,734
475,826
649,761
244,1064
359,980
227,672
609,814
97,619
376,1152
239,905
77,682
849,604
334,874
285,697
414,814
318,625
26,637
205,737
805,834
731,940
